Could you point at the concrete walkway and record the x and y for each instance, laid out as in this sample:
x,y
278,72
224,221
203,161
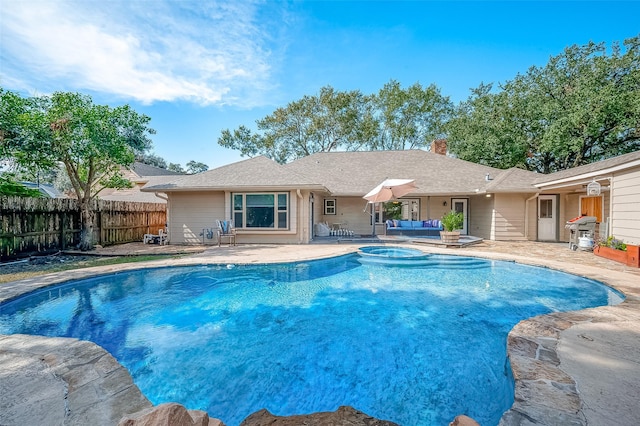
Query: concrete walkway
x,y
570,368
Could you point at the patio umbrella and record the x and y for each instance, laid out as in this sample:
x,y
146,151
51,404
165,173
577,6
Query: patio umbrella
x,y
388,190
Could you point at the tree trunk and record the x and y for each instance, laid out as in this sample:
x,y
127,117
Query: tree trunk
x,y
86,222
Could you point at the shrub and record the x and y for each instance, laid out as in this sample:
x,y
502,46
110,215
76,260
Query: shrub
x,y
614,243
452,220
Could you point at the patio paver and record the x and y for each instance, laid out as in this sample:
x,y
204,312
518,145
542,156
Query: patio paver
x,y
585,370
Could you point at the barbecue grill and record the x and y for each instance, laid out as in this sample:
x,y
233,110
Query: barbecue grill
x,y
581,227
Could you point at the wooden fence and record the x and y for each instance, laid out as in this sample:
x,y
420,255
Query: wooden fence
x,y
37,225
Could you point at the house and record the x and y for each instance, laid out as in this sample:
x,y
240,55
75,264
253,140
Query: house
x,y
47,190
273,203
564,195
140,174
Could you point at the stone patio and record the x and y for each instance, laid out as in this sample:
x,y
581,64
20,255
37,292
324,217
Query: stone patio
x,y
579,368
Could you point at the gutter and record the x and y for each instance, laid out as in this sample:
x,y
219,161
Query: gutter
x,y
608,170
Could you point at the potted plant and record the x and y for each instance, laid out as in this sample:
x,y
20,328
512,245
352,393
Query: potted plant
x,y
452,222
616,250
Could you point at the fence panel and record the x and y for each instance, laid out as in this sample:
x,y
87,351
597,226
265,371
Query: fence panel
x,y
37,225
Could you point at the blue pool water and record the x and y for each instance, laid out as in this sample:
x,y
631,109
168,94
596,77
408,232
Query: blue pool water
x,y
415,345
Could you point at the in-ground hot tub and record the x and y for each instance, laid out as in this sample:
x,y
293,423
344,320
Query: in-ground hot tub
x,y
391,255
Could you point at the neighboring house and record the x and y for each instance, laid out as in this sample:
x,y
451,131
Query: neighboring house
x,y
273,203
140,174
48,191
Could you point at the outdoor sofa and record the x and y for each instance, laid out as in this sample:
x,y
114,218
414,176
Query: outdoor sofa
x,y
429,228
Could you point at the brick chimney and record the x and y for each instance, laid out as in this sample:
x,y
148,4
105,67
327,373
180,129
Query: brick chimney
x,y
439,146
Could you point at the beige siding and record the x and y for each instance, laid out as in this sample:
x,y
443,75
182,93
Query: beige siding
x,y
569,208
352,213
480,216
625,216
318,209
532,217
298,217
192,212
508,216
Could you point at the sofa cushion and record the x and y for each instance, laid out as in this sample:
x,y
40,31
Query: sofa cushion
x,y
404,223
416,224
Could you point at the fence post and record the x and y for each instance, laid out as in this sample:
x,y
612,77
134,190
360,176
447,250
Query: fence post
x,y
63,227
100,222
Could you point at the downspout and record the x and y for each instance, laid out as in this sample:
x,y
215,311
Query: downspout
x,y
305,231
526,215
610,224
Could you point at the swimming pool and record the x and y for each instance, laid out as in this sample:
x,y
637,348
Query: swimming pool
x,y
415,345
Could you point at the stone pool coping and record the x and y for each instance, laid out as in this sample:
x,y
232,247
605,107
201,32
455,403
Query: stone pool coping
x,y
539,348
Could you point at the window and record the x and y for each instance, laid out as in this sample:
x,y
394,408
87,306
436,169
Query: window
x,y
404,209
261,210
546,209
591,206
329,206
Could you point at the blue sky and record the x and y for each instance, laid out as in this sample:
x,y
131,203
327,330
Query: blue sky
x,y
198,67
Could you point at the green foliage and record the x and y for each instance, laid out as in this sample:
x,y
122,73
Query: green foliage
x,y
583,106
91,141
152,160
410,118
174,167
194,167
332,120
614,243
452,221
10,188
392,210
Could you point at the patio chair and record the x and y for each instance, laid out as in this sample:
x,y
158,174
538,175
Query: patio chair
x,y
159,238
226,230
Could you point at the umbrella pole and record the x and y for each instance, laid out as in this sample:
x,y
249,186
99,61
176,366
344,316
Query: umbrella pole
x,y
373,220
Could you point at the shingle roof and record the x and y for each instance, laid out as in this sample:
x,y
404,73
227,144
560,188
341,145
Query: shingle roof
x,y
355,173
513,180
142,169
589,168
254,173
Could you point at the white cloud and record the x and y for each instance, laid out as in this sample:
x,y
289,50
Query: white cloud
x,y
148,51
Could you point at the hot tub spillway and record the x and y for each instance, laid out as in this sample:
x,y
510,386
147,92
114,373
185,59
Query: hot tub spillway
x,y
401,256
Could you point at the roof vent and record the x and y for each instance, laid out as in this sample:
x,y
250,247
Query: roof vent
x,y
488,177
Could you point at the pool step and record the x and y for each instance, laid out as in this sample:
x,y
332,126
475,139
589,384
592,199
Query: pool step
x,y
434,262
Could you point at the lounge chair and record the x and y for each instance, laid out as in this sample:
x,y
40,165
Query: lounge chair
x,y
226,230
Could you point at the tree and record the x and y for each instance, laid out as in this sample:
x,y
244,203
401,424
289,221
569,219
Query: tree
x,y
10,188
152,160
488,130
583,106
194,167
410,118
91,141
174,167
328,121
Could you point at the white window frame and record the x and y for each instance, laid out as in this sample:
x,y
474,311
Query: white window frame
x,y
276,211
330,206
